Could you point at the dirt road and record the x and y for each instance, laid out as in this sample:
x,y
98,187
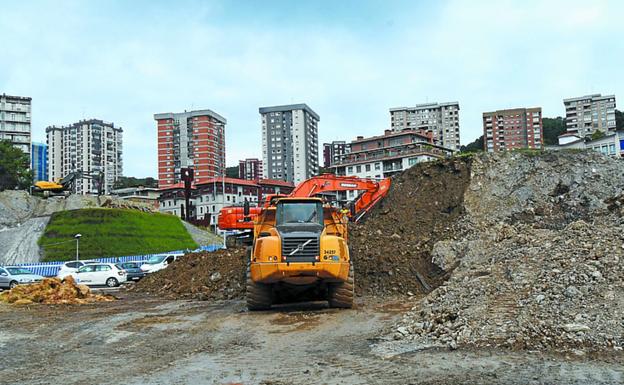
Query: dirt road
x,y
141,340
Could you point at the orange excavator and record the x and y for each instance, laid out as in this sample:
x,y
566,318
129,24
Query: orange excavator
x,y
233,217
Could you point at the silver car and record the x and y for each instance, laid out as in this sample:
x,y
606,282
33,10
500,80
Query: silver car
x,y
11,276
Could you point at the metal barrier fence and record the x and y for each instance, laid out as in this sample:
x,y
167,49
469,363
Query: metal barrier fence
x,y
50,269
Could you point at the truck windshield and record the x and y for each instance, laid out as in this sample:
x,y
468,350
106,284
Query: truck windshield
x,y
299,212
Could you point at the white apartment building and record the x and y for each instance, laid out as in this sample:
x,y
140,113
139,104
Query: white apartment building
x,y
15,117
441,119
588,114
289,142
88,146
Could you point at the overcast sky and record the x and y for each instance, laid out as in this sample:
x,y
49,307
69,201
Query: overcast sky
x,y
350,61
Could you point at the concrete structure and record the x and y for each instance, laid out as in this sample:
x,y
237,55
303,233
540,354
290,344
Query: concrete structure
x,y
511,129
612,144
334,152
90,146
15,117
39,161
289,142
208,198
588,114
147,195
441,119
250,169
193,139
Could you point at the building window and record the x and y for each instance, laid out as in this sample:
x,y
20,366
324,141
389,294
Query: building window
x,y
368,167
358,168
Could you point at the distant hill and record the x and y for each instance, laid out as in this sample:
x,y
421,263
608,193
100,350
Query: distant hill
x,y
112,232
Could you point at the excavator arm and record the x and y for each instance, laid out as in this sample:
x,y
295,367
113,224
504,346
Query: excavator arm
x,y
372,191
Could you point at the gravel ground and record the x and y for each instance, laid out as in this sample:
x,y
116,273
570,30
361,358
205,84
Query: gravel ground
x,y
148,340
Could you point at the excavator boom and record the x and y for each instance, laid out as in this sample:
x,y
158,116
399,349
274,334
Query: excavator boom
x,y
232,218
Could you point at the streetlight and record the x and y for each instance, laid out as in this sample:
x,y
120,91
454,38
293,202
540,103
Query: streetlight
x,y
77,236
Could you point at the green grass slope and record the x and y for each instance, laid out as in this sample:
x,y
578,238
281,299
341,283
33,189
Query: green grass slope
x,y
112,233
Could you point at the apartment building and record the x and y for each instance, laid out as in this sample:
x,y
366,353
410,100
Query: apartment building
x,y
289,142
511,129
334,151
381,156
441,119
250,169
194,139
208,197
39,161
89,146
588,114
15,117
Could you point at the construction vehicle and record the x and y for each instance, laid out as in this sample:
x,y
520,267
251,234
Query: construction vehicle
x,y
66,185
300,243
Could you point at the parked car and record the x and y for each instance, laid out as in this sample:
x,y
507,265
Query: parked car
x,y
94,274
159,262
133,270
11,276
71,267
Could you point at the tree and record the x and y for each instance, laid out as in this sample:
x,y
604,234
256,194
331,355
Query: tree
x,y
552,129
597,135
619,120
231,172
14,168
130,181
477,145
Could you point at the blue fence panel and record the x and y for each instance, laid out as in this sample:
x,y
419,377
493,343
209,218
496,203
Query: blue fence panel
x,y
51,269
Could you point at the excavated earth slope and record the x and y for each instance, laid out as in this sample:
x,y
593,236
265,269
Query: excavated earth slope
x,y
536,262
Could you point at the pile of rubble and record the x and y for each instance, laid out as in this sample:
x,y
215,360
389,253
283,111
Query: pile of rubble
x,y
52,291
205,276
536,262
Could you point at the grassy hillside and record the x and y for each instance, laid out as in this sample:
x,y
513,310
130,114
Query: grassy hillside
x,y
112,232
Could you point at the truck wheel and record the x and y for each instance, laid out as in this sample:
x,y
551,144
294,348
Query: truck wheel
x,y
341,294
259,295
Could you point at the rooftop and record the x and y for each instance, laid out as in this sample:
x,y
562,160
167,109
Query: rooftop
x,y
592,96
190,114
425,106
289,107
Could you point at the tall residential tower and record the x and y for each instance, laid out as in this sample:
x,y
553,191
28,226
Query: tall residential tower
x,y
88,146
588,114
511,129
194,139
289,142
441,119
15,121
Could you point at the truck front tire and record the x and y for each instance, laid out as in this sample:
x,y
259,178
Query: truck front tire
x,y
259,295
341,294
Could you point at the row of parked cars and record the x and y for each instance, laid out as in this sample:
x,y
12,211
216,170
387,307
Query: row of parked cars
x,y
91,273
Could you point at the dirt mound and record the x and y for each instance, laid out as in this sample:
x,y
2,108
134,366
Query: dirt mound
x,y
52,291
204,276
536,261
392,248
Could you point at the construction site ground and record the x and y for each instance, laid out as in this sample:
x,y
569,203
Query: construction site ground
x,y
142,339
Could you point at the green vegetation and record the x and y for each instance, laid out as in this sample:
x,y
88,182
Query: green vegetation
x,y
475,146
14,167
597,135
231,172
619,120
552,129
130,181
111,233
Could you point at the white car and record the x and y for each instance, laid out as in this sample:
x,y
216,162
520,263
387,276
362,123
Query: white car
x,y
71,267
159,262
94,274
11,276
